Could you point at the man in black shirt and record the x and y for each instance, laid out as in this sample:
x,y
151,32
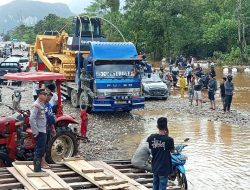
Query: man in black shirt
x,y
161,145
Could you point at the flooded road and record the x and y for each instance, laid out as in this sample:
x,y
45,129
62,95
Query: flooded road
x,y
218,153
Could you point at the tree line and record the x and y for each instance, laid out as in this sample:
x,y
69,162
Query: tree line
x,y
204,29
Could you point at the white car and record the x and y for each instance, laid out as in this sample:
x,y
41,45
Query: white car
x,y
153,87
24,62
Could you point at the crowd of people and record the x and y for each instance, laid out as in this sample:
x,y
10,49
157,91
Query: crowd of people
x,y
194,80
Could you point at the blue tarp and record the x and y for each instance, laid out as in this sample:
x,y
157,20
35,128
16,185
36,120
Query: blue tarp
x,y
112,50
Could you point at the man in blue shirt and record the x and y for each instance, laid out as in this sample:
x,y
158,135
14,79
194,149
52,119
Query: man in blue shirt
x,y
161,146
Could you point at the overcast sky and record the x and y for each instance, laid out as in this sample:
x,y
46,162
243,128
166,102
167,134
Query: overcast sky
x,y
76,6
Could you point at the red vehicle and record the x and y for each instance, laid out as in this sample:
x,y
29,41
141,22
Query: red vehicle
x,y
16,139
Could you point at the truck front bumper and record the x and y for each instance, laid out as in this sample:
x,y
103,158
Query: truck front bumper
x,y
101,105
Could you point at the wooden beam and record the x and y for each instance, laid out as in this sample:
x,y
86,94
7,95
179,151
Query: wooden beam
x,y
105,177
95,170
11,186
37,174
23,162
111,183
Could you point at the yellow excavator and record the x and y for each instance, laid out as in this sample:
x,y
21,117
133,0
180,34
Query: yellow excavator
x,y
58,52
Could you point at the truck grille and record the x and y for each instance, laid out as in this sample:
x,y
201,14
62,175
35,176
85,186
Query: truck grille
x,y
121,96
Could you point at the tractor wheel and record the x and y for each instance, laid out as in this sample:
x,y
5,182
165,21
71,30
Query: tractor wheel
x,y
63,145
74,98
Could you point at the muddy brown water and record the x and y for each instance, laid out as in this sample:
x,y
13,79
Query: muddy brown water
x,y
218,153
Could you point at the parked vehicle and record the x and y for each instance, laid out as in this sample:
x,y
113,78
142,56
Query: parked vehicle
x,y
16,139
24,62
153,87
10,65
178,162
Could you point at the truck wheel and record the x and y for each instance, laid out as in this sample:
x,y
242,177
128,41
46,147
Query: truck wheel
x,y
85,100
74,98
63,145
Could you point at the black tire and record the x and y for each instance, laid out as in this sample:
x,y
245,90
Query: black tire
x,y
4,160
182,181
57,149
85,99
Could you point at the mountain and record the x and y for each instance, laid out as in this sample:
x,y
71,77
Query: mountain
x,y
29,13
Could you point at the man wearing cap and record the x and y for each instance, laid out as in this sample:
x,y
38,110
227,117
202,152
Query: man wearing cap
x,y
85,82
38,126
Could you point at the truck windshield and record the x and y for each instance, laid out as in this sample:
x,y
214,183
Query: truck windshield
x,y
115,69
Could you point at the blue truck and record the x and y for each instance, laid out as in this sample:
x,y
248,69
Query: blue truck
x,y
116,80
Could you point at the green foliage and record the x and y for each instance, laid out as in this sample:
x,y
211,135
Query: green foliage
x,y
203,28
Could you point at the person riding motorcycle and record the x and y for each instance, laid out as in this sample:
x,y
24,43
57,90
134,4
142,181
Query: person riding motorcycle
x,y
86,79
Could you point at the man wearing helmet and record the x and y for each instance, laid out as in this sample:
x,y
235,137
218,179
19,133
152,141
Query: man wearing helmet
x,y
229,88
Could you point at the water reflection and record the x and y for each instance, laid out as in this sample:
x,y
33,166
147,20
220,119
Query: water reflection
x,y
219,154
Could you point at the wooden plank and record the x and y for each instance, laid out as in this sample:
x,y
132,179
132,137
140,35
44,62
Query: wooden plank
x,y
123,186
51,181
2,176
59,180
10,186
95,170
81,165
113,171
23,162
8,180
105,177
39,183
36,182
121,166
66,173
37,174
20,178
111,183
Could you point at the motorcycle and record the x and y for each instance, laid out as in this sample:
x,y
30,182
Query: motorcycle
x,y
178,169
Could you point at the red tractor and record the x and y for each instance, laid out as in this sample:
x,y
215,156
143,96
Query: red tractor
x,y
16,139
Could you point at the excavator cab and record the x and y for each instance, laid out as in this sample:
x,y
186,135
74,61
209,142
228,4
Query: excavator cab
x,y
85,30
87,27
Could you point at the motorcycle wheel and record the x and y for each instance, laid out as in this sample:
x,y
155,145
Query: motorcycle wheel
x,y
4,160
182,181
63,145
